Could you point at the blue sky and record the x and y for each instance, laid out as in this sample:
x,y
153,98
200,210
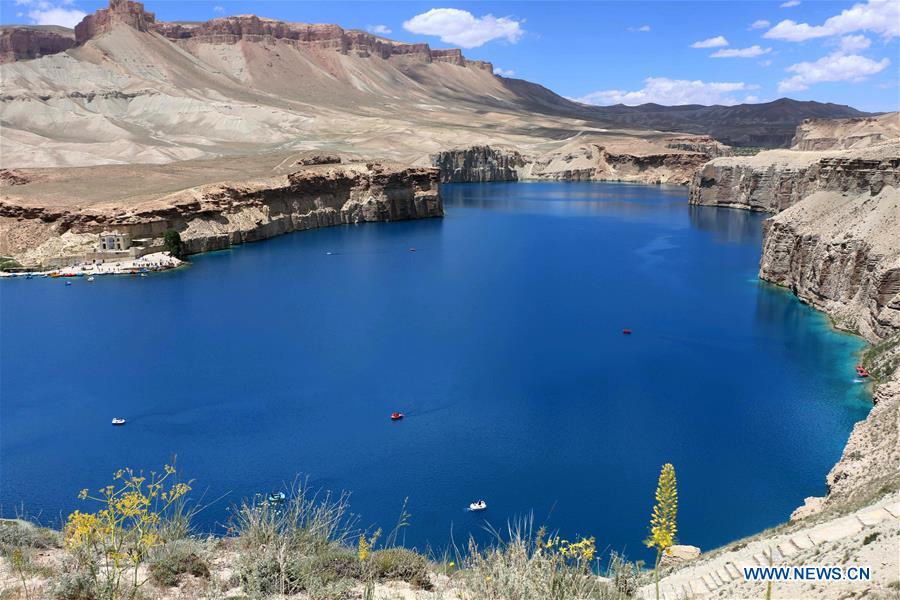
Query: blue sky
x,y
606,52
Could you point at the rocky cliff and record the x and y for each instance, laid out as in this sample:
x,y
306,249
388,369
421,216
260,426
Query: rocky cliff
x,y
774,180
125,12
21,42
671,160
219,215
844,134
478,164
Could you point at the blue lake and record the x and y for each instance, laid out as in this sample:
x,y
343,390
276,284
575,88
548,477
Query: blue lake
x,y
500,338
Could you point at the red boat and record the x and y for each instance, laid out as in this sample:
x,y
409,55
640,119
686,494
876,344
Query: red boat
x,y
626,331
396,416
862,371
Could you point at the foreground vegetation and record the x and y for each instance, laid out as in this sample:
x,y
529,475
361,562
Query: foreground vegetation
x,y
134,541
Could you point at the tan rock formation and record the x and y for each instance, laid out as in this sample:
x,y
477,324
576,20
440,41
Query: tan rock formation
x,y
843,134
37,230
125,12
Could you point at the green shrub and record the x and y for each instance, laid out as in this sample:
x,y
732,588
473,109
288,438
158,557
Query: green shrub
x,y
15,533
176,559
402,564
173,243
76,585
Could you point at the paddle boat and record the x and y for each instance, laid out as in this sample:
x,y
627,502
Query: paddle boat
x,y
118,421
476,506
626,331
276,497
396,416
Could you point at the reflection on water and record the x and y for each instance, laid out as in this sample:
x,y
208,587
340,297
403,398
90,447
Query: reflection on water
x,y
731,225
571,199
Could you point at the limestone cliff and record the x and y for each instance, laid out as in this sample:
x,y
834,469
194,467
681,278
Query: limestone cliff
x,y
774,180
219,215
671,160
843,134
478,164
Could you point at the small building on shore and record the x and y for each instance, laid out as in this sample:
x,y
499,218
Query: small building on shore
x,y
114,242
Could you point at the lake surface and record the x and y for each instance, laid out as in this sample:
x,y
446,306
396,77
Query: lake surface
x,y
500,338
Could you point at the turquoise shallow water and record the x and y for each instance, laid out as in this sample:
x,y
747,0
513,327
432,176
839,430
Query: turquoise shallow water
x,y
500,338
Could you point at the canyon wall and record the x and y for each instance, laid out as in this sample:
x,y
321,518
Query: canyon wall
x,y
775,180
20,43
216,216
844,134
672,160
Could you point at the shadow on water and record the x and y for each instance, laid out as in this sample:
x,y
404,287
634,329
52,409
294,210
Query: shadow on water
x,y
731,225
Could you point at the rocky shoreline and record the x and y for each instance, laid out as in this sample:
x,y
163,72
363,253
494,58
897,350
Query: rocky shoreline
x,y
834,243
220,215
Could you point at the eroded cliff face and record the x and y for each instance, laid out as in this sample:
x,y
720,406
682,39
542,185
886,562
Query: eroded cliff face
x,y
216,216
844,134
20,43
478,164
775,180
840,252
673,160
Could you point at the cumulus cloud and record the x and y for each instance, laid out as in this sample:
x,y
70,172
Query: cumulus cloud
x,y
642,28
462,28
879,16
378,29
504,72
834,67
713,42
751,52
663,90
760,24
854,43
44,12
790,3
218,9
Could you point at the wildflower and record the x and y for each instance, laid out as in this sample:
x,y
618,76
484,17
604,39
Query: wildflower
x,y
663,520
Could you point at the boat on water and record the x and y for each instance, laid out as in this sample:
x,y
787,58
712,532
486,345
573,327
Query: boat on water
x,y
118,421
91,278
626,331
476,506
412,249
396,416
276,498
68,283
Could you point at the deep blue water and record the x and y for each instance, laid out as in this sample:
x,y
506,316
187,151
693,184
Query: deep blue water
x,y
501,340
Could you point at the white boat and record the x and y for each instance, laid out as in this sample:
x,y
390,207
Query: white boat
x,y
476,506
118,421
91,278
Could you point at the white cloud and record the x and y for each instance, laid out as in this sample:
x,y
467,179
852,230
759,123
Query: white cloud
x,y
504,72
461,27
834,67
713,42
218,9
641,29
878,16
44,12
854,43
760,24
378,29
765,63
790,3
751,52
663,90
